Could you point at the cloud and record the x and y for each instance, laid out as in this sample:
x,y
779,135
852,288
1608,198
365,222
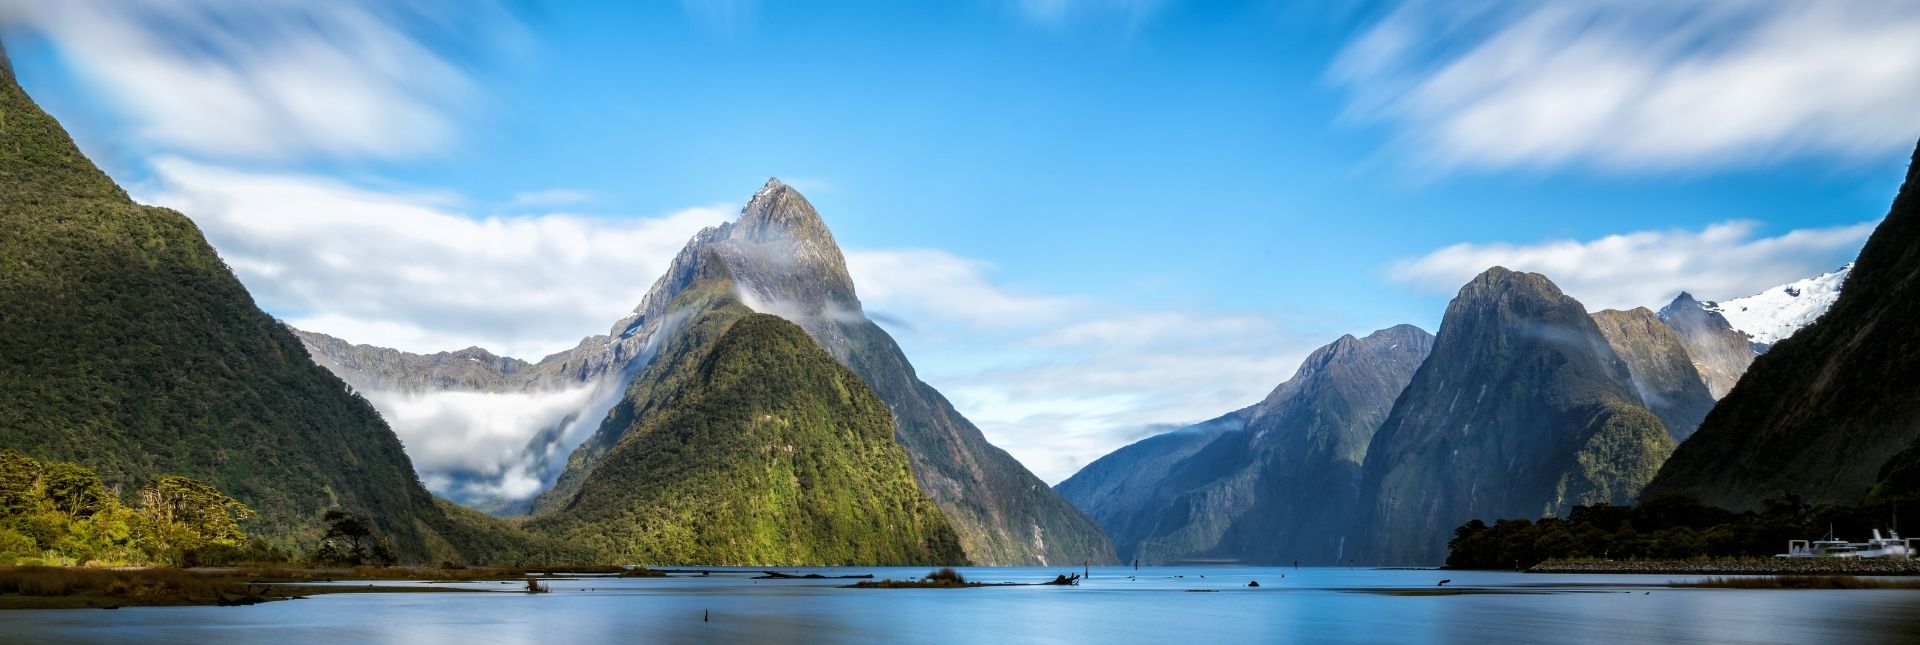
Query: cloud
x,y
277,80
409,271
471,446
942,284
1648,268
1640,85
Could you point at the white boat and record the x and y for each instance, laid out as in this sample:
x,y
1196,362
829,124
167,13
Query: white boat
x,y
1889,546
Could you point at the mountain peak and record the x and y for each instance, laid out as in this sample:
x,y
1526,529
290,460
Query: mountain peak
x,y
778,212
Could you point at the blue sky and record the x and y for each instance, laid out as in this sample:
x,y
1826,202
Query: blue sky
x,y
1083,219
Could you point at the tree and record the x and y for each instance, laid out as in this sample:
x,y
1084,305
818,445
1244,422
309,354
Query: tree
x,y
184,515
74,490
350,541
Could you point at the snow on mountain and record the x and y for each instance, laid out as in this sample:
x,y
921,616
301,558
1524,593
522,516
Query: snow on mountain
x,y
1774,314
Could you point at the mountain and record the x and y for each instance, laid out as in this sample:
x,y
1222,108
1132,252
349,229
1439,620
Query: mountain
x,y
755,447
780,258
1522,409
128,346
1660,367
1825,411
369,368
1720,353
1271,483
1772,315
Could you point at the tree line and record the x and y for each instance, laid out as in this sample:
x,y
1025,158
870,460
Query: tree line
x,y
1668,527
60,513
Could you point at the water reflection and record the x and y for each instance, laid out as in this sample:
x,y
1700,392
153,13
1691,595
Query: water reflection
x,y
1154,605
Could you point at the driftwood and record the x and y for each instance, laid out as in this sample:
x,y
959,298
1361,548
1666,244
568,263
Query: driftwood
x,y
775,575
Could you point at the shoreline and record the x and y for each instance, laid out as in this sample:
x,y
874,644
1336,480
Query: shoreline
x,y
113,588
1776,567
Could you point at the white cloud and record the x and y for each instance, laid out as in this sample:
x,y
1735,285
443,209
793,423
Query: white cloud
x,y
1640,85
473,444
407,271
1071,393
942,284
1648,268
275,80
1058,381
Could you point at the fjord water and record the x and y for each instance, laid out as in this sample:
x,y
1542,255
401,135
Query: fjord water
x,y
1160,604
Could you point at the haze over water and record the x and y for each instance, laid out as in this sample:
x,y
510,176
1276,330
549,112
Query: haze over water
x,y
1159,605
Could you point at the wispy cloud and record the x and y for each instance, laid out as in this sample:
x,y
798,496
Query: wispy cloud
x,y
944,285
1059,380
1648,268
412,272
1631,85
277,80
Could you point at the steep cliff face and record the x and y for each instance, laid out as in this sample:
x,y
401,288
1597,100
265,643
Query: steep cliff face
x,y
1522,409
780,258
748,444
1275,482
1720,353
1824,410
1661,370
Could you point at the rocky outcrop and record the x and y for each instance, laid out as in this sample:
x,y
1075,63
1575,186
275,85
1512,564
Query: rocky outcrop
x,y
1720,353
1661,369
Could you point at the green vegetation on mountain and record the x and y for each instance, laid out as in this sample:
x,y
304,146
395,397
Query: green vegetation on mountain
x,y
1522,410
127,346
1826,413
748,444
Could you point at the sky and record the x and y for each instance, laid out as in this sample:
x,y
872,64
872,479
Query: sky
x,y
1085,221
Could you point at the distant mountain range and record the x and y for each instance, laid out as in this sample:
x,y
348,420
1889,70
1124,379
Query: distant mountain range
x,y
1526,406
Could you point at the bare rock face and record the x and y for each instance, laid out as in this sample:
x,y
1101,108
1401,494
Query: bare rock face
x,y
1274,482
1825,412
1522,409
1720,353
1661,370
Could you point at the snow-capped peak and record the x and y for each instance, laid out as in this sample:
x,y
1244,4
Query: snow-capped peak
x,y
1772,315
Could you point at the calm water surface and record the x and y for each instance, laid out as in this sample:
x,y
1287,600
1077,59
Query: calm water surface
x,y
1157,605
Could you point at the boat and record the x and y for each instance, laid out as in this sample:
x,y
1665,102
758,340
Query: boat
x,y
1889,546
